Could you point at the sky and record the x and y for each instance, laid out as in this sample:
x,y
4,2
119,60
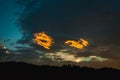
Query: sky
x,y
96,21
8,28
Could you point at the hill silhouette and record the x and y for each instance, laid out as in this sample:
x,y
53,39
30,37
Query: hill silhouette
x,y
26,71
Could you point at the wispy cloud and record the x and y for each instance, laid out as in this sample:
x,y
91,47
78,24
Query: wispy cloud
x,y
63,56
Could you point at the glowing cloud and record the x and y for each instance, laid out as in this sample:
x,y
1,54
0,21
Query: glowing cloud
x,y
43,40
80,44
63,56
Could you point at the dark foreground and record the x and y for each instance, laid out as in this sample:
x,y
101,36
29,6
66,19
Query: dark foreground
x,y
23,71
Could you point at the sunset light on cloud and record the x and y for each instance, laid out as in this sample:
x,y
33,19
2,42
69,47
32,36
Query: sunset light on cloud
x,y
82,32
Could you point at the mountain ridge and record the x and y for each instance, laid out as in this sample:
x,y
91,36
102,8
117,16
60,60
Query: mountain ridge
x,y
22,69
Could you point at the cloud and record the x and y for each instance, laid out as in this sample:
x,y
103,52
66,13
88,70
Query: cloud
x,y
97,22
69,20
26,53
62,56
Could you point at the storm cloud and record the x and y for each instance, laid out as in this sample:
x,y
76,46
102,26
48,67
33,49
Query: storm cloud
x,y
96,21
71,19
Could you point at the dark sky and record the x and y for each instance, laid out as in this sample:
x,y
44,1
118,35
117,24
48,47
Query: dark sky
x,y
97,21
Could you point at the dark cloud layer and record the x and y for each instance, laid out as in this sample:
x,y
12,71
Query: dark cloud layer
x,y
72,19
96,21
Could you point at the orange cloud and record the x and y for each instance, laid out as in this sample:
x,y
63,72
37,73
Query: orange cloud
x,y
43,40
80,44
